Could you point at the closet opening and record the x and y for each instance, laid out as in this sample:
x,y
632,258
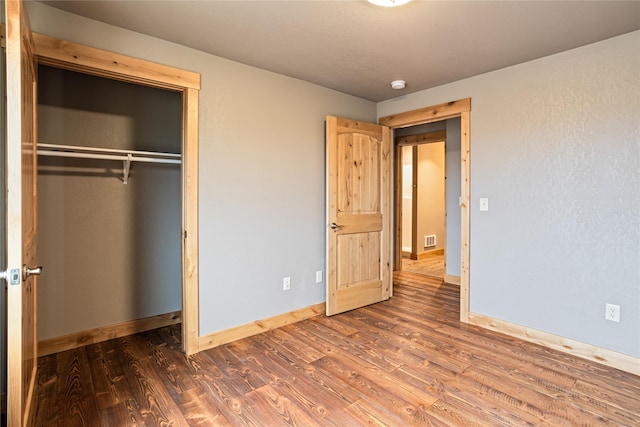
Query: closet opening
x,y
67,55
109,208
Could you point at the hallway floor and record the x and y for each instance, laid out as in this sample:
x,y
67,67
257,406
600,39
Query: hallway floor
x,y
432,265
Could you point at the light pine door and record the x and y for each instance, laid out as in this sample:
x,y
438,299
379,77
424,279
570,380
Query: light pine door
x,y
358,214
21,214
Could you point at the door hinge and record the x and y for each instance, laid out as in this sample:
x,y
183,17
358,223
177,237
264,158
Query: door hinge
x,y
185,234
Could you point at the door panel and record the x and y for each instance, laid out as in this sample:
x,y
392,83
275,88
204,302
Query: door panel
x,y
358,206
364,247
21,214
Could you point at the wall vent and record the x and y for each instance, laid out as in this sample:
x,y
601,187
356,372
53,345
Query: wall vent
x,y
429,240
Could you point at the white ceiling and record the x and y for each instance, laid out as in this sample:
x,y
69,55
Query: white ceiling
x,y
358,48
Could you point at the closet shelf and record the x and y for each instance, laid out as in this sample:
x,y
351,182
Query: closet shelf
x,y
126,156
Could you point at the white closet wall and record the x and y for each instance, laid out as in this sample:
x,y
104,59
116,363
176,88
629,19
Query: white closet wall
x,y
111,252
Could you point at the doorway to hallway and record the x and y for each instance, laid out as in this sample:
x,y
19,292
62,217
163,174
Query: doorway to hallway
x,y
426,155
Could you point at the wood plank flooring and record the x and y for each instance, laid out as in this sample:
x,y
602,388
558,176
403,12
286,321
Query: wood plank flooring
x,y
432,265
404,362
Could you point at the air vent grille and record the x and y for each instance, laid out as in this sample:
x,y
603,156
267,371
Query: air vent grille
x,y
430,240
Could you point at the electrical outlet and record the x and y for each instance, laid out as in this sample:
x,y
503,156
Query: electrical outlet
x,y
286,283
612,312
319,276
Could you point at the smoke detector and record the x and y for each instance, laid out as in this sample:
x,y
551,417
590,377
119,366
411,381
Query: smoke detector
x,y
389,3
398,84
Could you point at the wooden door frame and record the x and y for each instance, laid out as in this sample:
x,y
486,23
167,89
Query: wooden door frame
x,y
415,173
76,57
460,108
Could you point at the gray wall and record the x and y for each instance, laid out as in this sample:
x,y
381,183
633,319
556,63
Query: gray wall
x,y
555,146
111,251
262,173
452,160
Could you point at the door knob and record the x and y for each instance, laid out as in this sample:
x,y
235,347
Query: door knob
x,y
26,271
334,226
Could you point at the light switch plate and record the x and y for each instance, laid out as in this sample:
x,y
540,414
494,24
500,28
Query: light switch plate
x,y
484,204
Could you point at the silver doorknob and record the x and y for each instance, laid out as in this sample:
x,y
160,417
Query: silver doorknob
x,y
26,271
334,226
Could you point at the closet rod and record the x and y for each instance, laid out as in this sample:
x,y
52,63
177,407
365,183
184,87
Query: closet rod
x,y
96,150
130,157
126,156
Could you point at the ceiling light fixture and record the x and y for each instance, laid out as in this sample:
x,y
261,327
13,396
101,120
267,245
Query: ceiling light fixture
x,y
398,84
388,3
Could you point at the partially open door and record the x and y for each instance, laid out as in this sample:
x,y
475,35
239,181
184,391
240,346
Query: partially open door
x,y
358,214
21,227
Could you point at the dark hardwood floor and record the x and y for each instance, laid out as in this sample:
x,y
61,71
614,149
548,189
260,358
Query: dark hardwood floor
x,y
406,361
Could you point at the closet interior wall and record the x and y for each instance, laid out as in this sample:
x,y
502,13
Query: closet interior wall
x,y
111,251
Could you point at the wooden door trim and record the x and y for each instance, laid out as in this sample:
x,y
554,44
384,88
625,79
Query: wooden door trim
x,y
397,208
435,113
423,138
76,57
190,232
414,202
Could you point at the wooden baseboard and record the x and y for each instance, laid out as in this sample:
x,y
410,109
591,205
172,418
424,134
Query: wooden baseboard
x,y
426,254
232,334
454,280
590,352
104,333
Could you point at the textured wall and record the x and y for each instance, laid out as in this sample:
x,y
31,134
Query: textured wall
x,y
262,175
555,146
